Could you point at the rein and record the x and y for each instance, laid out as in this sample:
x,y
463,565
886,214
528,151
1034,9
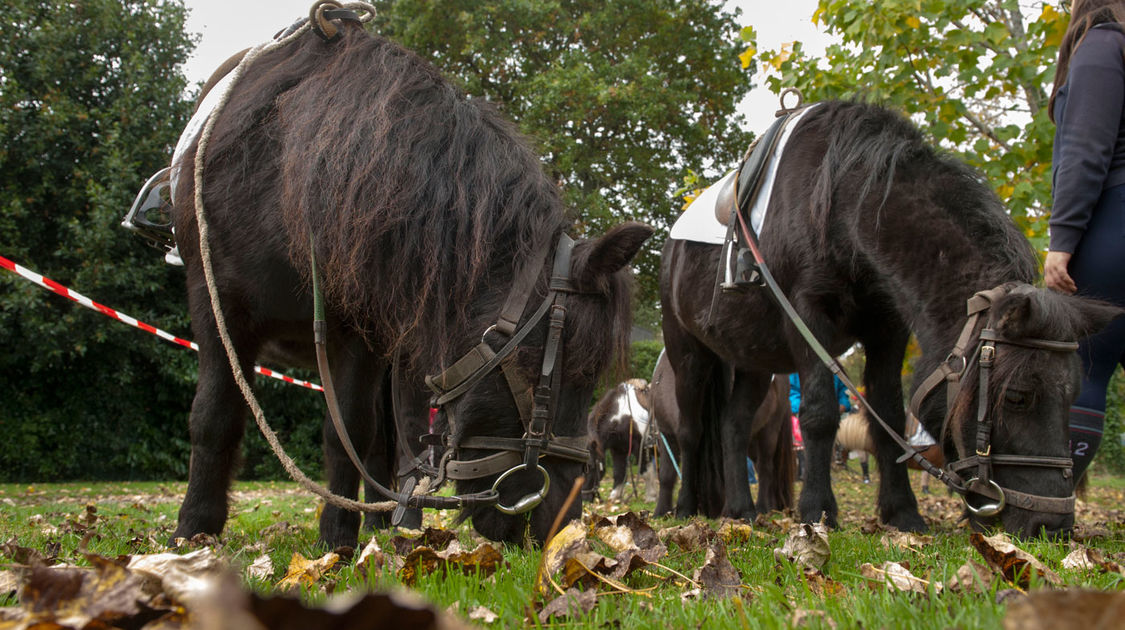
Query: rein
x,y
950,371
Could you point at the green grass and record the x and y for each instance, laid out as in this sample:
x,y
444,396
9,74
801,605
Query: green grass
x,y
139,517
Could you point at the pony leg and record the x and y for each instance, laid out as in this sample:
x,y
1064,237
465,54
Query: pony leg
x,y
217,422
620,468
667,475
354,370
897,505
737,423
819,417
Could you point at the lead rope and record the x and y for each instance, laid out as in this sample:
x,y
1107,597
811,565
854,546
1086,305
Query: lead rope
x,y
212,288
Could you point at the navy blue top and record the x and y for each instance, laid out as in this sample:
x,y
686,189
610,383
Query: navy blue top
x,y
1089,152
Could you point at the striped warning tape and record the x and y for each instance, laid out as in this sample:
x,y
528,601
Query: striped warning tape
x,y
55,287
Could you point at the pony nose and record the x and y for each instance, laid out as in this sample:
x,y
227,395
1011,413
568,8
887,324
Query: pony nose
x,y
1055,527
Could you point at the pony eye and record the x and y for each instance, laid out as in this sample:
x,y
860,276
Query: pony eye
x,y
1017,399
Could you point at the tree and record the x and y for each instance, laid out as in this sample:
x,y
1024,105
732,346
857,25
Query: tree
x,y
90,104
975,73
621,97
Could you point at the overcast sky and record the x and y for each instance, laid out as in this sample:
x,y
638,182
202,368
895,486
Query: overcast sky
x,y
228,26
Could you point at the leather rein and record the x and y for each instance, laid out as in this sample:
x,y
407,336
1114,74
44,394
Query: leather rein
x,y
537,405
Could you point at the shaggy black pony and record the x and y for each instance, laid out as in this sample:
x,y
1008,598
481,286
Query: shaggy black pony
x,y
873,235
421,204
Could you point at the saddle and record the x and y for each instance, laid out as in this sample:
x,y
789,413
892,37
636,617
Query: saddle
x,y
749,180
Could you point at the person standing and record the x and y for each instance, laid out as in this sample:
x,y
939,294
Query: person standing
x,y
1086,254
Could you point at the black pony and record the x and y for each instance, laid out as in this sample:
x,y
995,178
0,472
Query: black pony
x,y
873,236
771,446
421,205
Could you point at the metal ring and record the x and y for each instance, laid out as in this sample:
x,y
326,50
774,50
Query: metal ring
x,y
988,509
529,501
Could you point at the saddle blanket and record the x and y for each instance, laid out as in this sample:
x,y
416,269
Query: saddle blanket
x,y
698,222
195,127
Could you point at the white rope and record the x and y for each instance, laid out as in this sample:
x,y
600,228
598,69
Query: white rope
x,y
212,289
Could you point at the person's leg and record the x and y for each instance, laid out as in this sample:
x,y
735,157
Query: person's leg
x,y
1096,269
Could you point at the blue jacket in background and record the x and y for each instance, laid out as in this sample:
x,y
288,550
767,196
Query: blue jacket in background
x,y
842,397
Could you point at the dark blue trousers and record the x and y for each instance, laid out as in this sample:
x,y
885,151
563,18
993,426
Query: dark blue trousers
x,y
1098,268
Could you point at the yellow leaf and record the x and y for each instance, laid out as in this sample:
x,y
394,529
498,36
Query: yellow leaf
x,y
913,22
816,14
305,571
747,56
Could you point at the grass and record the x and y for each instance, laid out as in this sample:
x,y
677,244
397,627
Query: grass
x,y
134,518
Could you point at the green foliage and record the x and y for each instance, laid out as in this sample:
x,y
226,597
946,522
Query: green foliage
x,y
621,97
974,73
89,108
1111,453
643,357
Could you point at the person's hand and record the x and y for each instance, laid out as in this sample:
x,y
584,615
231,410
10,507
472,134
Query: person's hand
x,y
1055,274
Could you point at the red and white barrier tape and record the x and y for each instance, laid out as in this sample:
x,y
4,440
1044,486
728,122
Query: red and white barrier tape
x,y
55,287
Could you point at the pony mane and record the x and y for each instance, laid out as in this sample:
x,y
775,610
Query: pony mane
x,y
419,199
887,148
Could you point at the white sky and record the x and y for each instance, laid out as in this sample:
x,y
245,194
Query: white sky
x,y
228,26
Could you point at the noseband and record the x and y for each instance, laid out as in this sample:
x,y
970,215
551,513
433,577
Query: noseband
x,y
980,464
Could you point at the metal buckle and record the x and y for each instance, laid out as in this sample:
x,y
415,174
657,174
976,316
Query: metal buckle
x,y
987,451
529,501
987,354
988,509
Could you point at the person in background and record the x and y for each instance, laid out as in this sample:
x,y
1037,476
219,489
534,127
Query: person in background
x,y
842,398
1086,254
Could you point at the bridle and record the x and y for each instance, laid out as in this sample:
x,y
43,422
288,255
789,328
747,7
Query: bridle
x,y
979,466
537,405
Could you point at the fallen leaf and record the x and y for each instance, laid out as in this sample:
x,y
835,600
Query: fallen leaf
x,y
25,555
906,541
717,577
629,533
1069,608
821,585
806,545
261,568
482,614
484,560
572,603
566,544
9,583
694,535
775,522
734,532
972,577
303,571
1011,562
371,559
400,610
436,539
189,578
895,577
1085,559
803,617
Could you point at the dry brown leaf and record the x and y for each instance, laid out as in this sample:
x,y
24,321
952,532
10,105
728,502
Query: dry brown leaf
x,y
1085,559
401,610
972,577
717,577
1069,608
25,555
573,603
484,560
906,541
895,577
483,615
304,571
189,578
803,617
806,545
436,539
775,522
821,585
629,534
261,568
694,535
372,559
1011,562
566,544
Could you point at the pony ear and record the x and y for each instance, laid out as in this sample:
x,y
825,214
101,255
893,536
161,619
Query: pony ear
x,y
1012,315
610,253
1091,316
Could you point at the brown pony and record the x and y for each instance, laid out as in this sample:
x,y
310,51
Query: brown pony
x,y
420,205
